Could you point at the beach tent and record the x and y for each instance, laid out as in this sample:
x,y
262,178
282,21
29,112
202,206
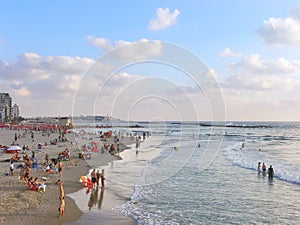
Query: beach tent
x,y
14,147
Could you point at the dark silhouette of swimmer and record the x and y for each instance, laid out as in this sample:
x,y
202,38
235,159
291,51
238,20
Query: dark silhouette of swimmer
x,y
271,171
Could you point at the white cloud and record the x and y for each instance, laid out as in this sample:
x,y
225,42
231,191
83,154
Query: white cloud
x,y
106,44
21,92
33,66
46,85
139,50
254,73
163,19
255,65
98,42
42,78
260,83
228,53
257,88
281,31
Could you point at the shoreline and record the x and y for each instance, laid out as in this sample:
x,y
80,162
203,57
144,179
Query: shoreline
x,y
21,206
98,205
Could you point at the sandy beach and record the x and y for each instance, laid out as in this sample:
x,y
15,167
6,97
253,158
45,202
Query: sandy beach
x,y
18,205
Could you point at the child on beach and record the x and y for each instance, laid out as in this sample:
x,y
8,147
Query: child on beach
x,y
11,167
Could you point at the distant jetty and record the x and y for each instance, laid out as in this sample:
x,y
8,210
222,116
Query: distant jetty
x,y
235,125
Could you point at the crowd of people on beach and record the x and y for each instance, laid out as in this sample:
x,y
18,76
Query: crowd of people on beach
x,y
28,162
25,160
29,158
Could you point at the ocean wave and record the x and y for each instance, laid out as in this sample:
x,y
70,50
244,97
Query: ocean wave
x,y
249,159
235,125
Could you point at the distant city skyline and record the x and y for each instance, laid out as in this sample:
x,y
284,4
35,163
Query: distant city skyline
x,y
251,49
8,111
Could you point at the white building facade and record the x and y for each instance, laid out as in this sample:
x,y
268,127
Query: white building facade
x,y
15,111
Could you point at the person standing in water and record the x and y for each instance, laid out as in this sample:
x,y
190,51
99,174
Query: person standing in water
x,y
258,166
264,167
271,171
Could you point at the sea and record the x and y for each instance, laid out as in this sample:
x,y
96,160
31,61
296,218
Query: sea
x,y
205,173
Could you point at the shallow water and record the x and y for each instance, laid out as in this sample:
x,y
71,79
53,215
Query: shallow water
x,y
192,184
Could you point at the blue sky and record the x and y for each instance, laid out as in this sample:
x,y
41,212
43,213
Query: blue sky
x,y
251,48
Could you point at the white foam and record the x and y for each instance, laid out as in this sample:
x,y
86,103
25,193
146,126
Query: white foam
x,y
249,159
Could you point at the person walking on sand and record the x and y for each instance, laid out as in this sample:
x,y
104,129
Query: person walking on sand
x,y
11,167
98,177
61,208
60,183
94,178
102,178
60,168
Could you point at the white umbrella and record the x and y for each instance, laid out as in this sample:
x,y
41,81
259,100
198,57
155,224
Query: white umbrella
x,y
14,147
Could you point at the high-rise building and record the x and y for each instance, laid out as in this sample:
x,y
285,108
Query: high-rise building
x,y
15,111
5,107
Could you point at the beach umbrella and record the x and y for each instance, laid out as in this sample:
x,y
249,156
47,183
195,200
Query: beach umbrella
x,y
14,147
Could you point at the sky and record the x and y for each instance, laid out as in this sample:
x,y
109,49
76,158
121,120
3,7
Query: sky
x,y
153,60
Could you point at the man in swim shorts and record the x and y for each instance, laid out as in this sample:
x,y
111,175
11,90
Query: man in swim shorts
x,y
94,179
271,171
